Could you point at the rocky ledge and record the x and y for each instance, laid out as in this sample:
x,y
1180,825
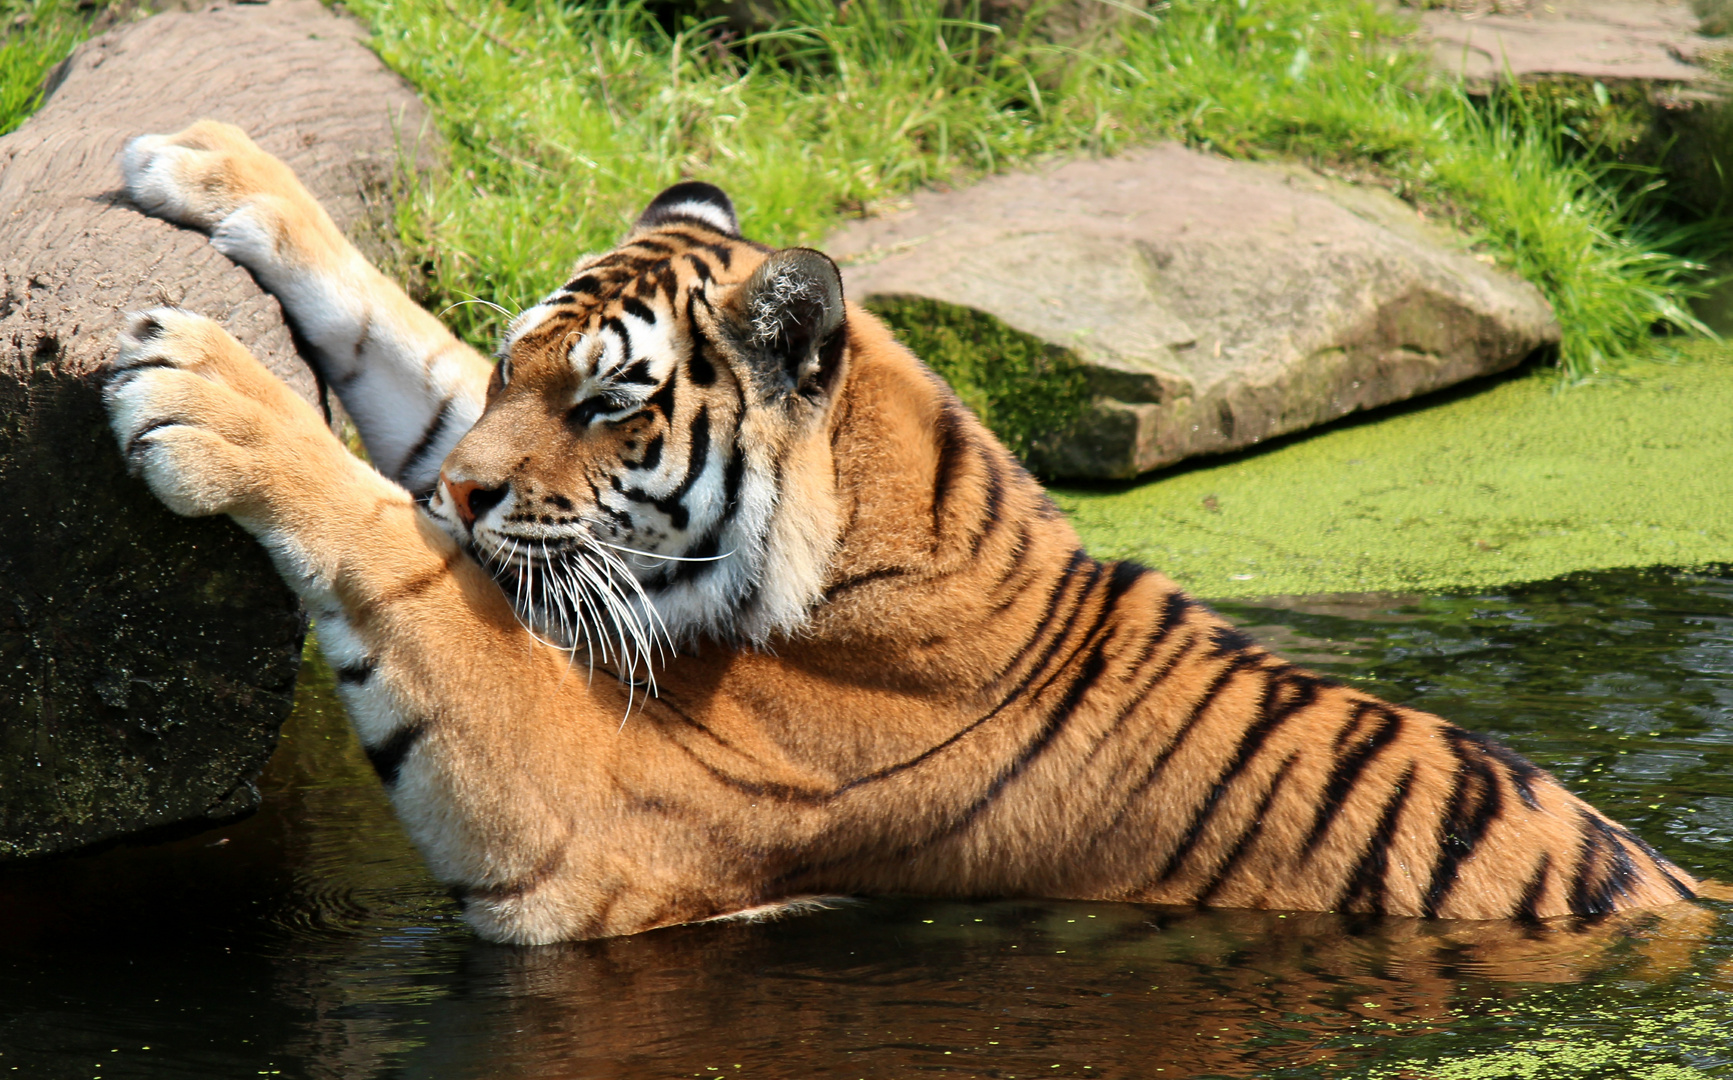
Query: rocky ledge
x,y
1166,304
147,661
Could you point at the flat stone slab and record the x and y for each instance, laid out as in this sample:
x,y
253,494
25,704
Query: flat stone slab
x,y
147,661
1596,39
1212,304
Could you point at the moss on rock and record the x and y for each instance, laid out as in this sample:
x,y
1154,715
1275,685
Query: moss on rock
x,y
146,661
1027,391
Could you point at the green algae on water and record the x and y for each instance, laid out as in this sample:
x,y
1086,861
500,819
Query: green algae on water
x,y
1604,1042
1516,482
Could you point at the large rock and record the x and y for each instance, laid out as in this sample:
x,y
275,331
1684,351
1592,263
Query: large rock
x,y
1178,304
1489,40
147,661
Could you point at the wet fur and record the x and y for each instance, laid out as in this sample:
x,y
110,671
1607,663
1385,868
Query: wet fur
x,y
905,676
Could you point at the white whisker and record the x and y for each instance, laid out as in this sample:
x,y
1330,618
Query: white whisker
x,y
581,591
658,555
484,303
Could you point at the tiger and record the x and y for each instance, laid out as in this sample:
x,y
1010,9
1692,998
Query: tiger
x,y
706,599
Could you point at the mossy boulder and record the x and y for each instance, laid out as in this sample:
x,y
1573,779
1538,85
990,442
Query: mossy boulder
x,y
146,660
1111,317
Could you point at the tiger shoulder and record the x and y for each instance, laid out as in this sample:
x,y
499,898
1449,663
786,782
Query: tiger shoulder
x,y
708,596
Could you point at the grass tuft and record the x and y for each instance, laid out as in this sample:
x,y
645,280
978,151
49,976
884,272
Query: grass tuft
x,y
34,36
564,119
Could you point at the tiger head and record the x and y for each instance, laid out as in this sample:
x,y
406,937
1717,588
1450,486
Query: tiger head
x,y
654,456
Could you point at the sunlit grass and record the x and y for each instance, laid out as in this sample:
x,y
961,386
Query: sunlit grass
x,y
34,36
564,120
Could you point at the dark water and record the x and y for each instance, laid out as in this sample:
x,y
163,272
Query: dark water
x,y
308,942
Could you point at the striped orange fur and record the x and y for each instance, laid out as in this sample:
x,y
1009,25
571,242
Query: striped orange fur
x,y
891,668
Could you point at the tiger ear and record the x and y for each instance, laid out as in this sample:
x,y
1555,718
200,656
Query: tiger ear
x,y
699,203
789,322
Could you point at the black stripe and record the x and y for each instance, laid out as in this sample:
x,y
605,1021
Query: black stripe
x,y
1016,561
1135,701
619,329
429,440
1254,828
1226,639
1155,769
1528,903
356,674
652,455
1661,862
993,502
947,437
1044,738
663,401
636,308
662,278
1350,767
1017,692
720,250
1173,613
1585,898
387,757
638,373
711,544
1622,873
1367,879
856,581
1055,597
699,367
697,460
1272,714
1061,635
617,258
1153,773
1090,671
1475,803
1523,773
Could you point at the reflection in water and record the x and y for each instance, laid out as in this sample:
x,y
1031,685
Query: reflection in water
x,y
308,941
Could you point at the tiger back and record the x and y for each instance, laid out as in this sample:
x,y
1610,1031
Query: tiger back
x,y
731,602
1014,716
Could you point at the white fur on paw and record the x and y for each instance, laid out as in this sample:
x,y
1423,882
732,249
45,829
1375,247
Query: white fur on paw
x,y
246,237
194,471
159,181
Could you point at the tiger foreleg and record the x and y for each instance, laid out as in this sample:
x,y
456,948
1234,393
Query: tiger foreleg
x,y
450,697
412,387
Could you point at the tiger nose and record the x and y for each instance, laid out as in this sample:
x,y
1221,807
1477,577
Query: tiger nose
x,y
470,499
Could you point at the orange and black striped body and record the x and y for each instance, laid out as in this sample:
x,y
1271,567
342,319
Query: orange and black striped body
x,y
725,601
1025,720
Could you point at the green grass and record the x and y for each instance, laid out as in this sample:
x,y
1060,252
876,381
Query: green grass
x,y
1501,485
564,119
34,36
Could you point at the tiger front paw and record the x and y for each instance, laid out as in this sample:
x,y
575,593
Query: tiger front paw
x,y
211,176
197,417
